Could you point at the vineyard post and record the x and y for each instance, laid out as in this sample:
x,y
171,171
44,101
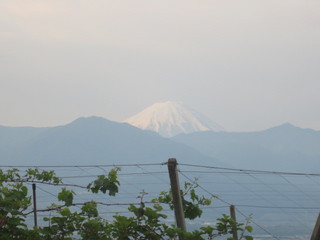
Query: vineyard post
x,y
316,231
234,225
34,205
176,194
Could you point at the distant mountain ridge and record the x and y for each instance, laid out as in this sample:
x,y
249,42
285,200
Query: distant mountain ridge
x,y
97,140
92,140
285,148
172,118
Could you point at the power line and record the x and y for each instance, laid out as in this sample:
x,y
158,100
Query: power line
x,y
262,197
119,174
284,195
251,170
211,194
47,191
160,164
278,207
46,183
83,166
84,203
298,189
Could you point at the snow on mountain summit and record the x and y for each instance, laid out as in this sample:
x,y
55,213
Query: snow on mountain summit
x,y
172,118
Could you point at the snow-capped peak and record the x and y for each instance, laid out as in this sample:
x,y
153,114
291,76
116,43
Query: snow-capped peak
x,y
172,118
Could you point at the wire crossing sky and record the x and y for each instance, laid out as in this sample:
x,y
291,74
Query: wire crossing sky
x,y
248,65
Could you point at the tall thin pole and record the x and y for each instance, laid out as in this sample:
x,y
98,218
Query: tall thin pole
x,y
34,205
316,231
234,225
176,194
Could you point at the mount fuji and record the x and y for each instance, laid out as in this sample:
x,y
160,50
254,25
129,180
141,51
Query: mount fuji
x,y
172,118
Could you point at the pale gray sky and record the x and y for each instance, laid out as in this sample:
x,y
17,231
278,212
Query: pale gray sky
x,y
248,65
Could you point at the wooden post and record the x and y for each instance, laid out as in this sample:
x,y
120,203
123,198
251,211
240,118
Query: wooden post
x,y
234,227
3,220
176,194
316,231
34,205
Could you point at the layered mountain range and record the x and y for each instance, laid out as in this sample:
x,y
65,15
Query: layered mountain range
x,y
96,140
282,148
92,140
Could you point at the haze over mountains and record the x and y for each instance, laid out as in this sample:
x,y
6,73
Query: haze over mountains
x,y
282,148
90,140
97,140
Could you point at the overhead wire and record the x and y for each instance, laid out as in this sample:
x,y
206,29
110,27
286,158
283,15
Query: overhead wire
x,y
251,174
83,166
298,189
222,200
285,196
250,170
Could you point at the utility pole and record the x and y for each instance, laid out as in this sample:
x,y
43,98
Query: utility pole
x,y
176,194
316,231
234,225
34,205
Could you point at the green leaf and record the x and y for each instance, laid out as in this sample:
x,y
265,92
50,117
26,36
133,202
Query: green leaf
x,y
249,228
90,209
248,237
104,183
66,196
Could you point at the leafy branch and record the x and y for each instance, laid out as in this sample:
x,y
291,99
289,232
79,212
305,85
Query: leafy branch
x,y
146,222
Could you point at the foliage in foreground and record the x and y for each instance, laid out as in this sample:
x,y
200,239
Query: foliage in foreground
x,y
145,223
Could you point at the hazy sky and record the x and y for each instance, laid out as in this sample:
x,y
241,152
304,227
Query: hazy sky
x,y
248,65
